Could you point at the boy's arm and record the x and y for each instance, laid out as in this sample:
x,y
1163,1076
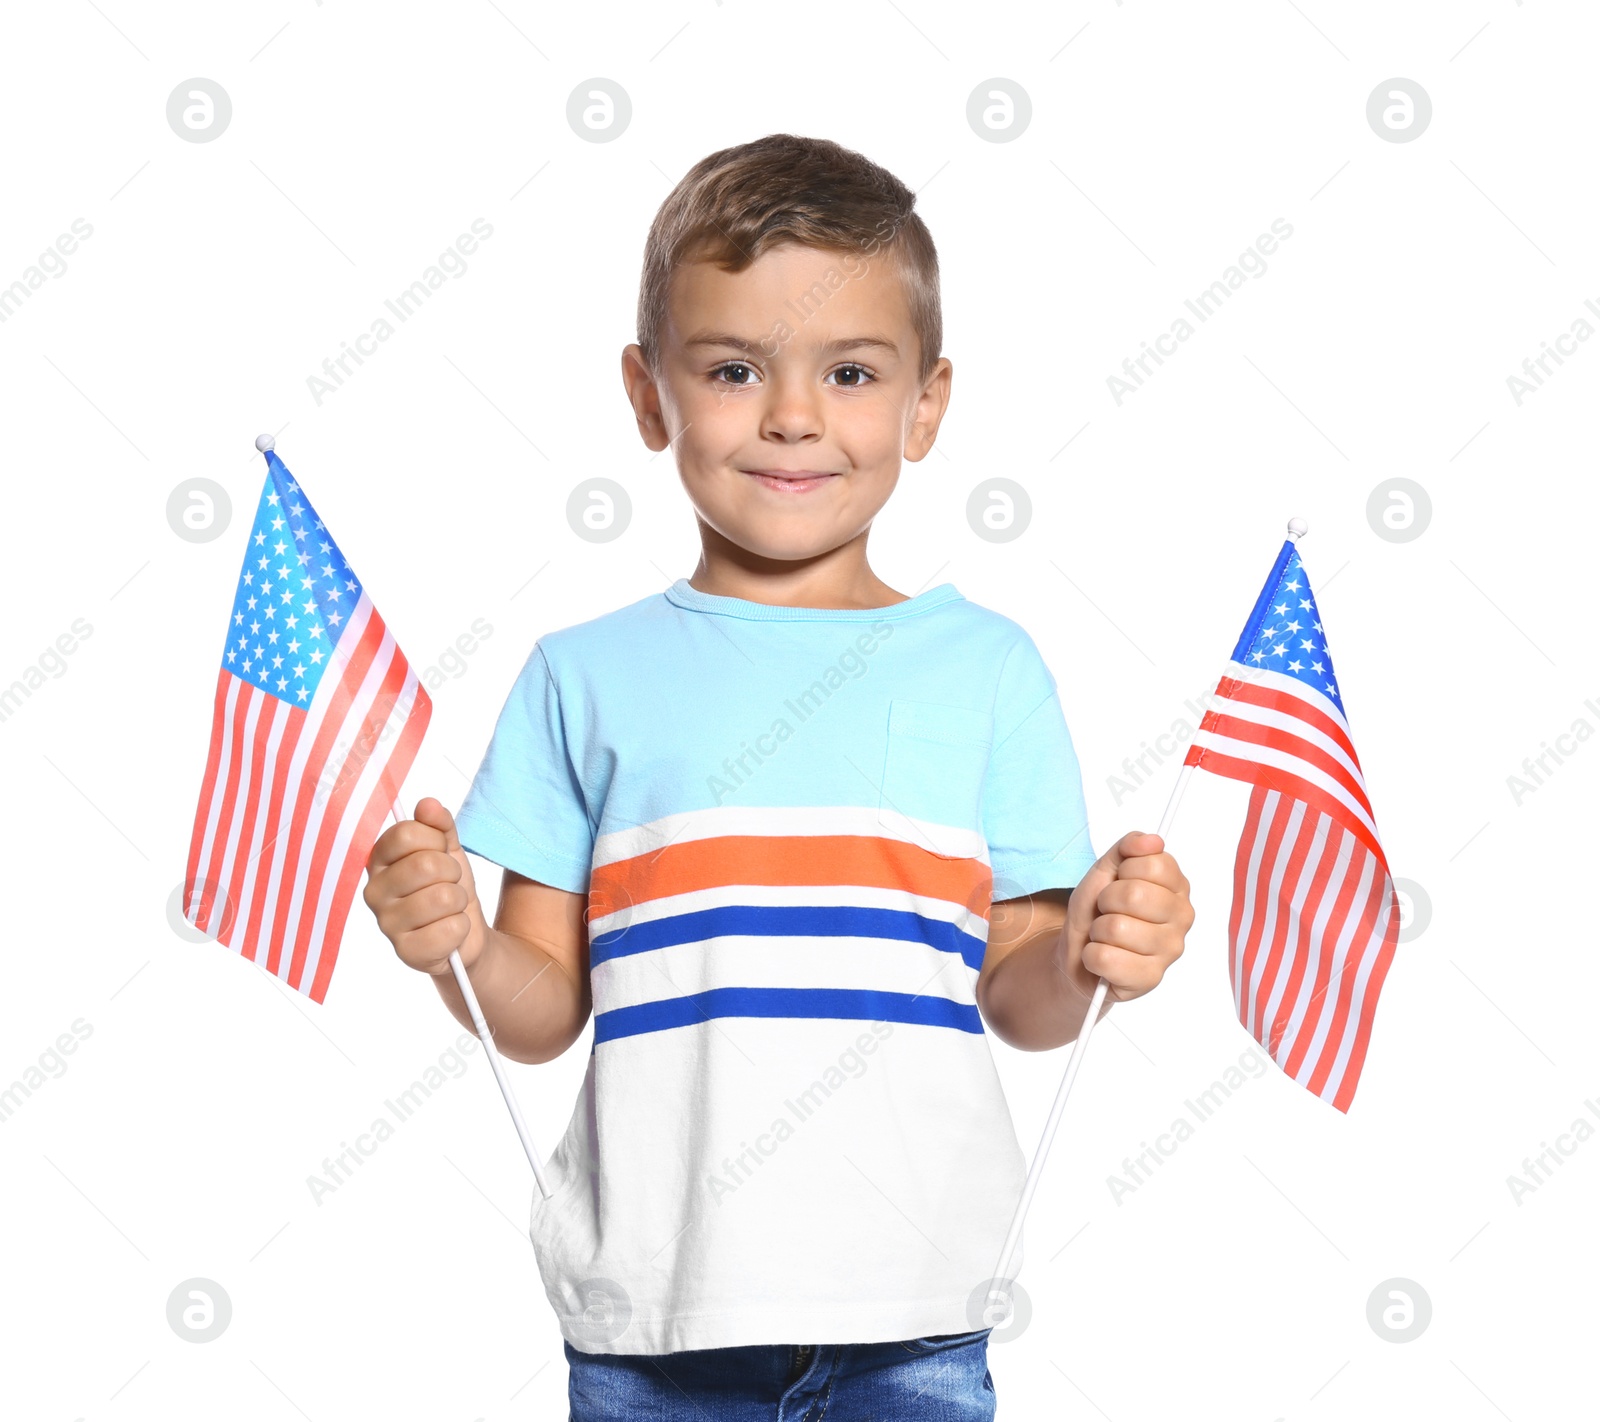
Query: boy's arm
x,y
532,978
1124,922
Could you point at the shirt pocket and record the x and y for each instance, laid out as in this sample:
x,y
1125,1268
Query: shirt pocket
x,y
933,772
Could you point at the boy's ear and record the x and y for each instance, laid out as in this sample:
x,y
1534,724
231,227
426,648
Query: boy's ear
x,y
645,398
929,411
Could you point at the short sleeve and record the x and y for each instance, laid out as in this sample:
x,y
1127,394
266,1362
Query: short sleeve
x,y
1034,817
525,809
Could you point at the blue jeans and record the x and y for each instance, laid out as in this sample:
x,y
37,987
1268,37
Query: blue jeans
x,y
941,1378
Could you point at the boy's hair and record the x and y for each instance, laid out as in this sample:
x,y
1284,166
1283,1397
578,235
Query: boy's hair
x,y
736,203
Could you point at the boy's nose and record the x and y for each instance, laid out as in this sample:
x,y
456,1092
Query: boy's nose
x,y
791,413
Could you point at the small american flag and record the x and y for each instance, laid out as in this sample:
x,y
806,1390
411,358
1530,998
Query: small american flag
x,y
1315,917
316,720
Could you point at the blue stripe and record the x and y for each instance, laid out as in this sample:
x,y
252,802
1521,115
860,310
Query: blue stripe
x,y
861,1003
786,920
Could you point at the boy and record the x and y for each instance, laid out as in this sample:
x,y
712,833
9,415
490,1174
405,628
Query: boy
x,y
798,839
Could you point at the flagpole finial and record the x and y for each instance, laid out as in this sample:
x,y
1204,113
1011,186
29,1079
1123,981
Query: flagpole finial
x,y
1297,526
264,442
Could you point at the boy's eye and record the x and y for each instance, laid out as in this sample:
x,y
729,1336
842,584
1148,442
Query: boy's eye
x,y
861,375
735,365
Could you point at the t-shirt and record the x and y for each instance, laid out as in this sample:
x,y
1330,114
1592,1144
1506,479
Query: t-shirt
x,y
790,823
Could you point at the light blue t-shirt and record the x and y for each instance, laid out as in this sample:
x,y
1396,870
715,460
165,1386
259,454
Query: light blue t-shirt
x,y
790,824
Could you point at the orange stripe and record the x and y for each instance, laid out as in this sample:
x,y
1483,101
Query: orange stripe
x,y
790,860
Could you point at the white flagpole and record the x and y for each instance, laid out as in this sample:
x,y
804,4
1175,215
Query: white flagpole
x,y
465,984
997,1307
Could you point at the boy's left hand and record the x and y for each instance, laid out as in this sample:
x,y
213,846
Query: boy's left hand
x,y
1126,919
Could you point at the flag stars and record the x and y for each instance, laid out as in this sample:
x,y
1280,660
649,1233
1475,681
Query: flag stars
x,y
316,656
299,669
302,695
277,523
1295,666
260,538
279,547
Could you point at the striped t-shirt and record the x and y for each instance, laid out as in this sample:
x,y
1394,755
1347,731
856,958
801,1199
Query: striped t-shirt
x,y
790,823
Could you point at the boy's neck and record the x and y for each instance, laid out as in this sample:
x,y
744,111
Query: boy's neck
x,y
836,581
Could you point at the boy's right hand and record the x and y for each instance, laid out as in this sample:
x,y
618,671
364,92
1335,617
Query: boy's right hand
x,y
419,888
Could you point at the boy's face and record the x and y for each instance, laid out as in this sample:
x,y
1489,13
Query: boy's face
x,y
805,362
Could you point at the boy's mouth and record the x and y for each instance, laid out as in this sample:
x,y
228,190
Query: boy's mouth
x,y
790,481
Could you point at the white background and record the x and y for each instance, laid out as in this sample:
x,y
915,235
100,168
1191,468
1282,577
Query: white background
x,y
1164,139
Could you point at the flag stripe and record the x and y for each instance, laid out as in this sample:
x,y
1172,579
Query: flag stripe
x,y
368,635
272,827
202,820
378,798
214,799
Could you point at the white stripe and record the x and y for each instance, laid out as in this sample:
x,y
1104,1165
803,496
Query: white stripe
x,y
1291,724
355,807
1270,680
219,783
1258,849
825,895
1330,998
1330,898
315,713
344,744
252,866
230,845
1352,1024
764,821
1275,905
1297,903
798,961
1282,760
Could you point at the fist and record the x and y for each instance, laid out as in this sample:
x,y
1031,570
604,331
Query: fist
x,y
1127,919
420,889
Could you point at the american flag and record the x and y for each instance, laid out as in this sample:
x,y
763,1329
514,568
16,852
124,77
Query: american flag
x,y
316,720
1315,917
